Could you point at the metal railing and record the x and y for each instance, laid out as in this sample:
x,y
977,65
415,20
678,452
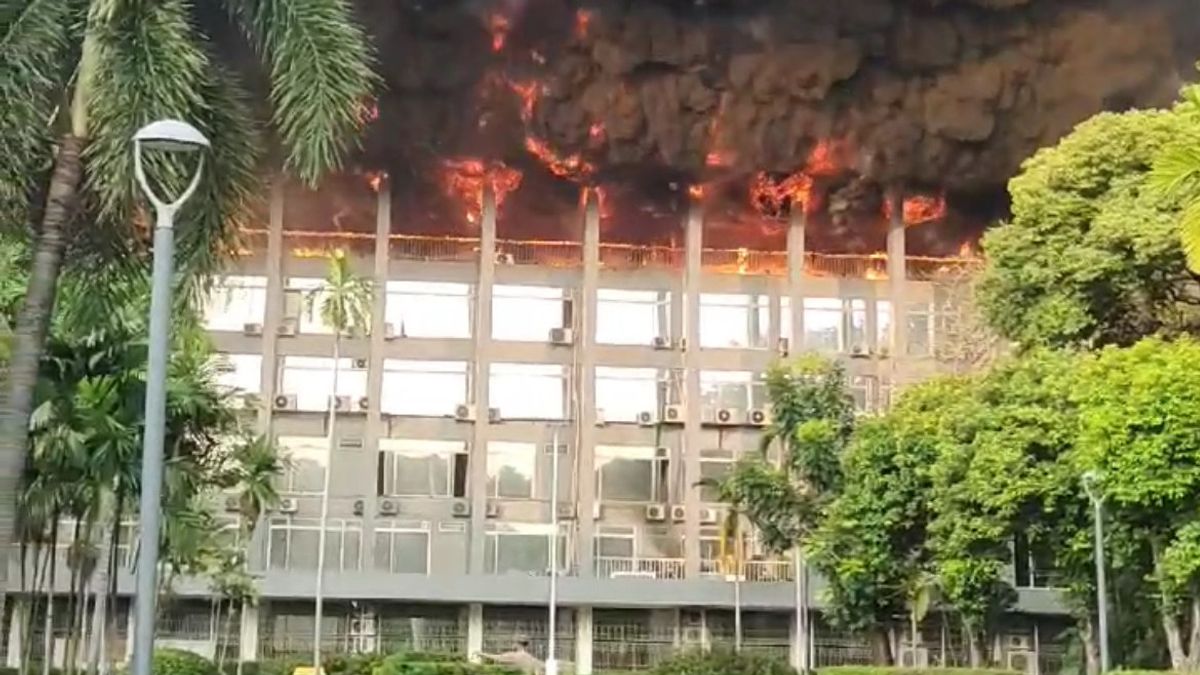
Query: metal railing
x,y
541,253
633,568
633,257
853,266
753,571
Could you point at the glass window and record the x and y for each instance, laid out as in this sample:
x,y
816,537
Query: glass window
x,y
738,390
511,469
918,327
402,548
522,548
422,468
715,464
862,390
631,473
310,378
631,317
883,325
528,313
235,301
528,391
857,333
427,309
428,388
307,458
623,393
823,324
292,544
302,299
733,321
239,372
615,542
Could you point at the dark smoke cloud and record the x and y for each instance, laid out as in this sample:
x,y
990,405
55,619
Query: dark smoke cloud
x,y
936,95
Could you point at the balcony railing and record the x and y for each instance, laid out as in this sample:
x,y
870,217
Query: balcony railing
x,y
634,568
753,571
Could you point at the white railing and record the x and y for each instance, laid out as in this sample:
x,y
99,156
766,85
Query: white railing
x,y
633,568
752,570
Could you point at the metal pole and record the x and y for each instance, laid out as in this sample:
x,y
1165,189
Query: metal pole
x,y
551,642
737,612
152,447
1101,592
801,615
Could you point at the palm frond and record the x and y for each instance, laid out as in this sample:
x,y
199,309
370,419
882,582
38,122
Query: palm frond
x,y
1176,176
321,75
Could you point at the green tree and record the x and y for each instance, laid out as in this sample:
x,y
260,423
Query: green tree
x,y
1176,172
344,304
81,76
1091,256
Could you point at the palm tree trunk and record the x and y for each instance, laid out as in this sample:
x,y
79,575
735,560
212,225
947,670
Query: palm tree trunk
x,y
48,637
114,543
100,610
41,569
75,562
320,582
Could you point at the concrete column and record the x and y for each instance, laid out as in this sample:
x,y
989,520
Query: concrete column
x,y
586,415
376,427
795,278
274,313
130,625
583,641
896,272
474,630
482,333
248,640
693,238
12,658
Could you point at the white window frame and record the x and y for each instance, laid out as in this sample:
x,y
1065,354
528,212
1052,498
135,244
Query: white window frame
x,y
611,300
751,304
430,291
338,527
226,290
394,527
419,448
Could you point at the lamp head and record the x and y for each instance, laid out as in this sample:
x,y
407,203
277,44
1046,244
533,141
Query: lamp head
x,y
171,136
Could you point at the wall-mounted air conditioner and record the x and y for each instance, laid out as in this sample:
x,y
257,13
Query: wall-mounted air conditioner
x,y
493,509
783,346
288,505
1020,661
566,511
674,413
364,403
859,352
758,417
389,332
562,336
656,513
284,402
709,516
341,403
360,364
287,328
600,421
460,508
252,329
678,513
494,415
661,342
465,413
1018,642
360,506
646,418
723,417
389,507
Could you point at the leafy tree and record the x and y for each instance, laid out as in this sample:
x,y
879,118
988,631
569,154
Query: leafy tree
x,y
1091,256
81,76
1177,172
344,304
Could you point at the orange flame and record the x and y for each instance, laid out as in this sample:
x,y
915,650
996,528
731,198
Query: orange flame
x,y
528,92
375,179
596,132
464,180
571,166
919,209
718,158
873,274
583,21
498,26
696,191
822,159
966,250
776,197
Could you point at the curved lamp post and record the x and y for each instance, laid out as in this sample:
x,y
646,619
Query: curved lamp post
x,y
165,136
1090,480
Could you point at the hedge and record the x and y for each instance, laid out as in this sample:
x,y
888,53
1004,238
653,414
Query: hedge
x,y
722,663
880,670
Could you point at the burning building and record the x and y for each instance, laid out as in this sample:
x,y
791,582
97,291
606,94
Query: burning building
x,y
591,227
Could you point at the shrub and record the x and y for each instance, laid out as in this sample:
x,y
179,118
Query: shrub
x,y
879,670
180,662
402,664
722,663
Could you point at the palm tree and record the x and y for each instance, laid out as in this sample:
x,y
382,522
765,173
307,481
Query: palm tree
x,y
80,76
344,304
1176,173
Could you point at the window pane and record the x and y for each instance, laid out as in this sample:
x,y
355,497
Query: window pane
x,y
527,390
858,324
529,553
234,302
738,321
614,547
883,324
240,372
304,298
307,459
424,309
630,317
710,470
627,473
526,313
623,393
426,388
511,468
303,554
419,468
823,324
917,330
310,378
408,552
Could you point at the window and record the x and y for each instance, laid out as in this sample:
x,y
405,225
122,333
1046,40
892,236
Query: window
x,y
310,378
402,547
307,458
623,393
302,300
529,391
522,548
857,333
239,372
234,302
528,313
862,390
733,321
422,468
883,325
428,388
918,327
631,473
632,317
715,464
426,309
823,324
511,469
292,544
738,390
615,542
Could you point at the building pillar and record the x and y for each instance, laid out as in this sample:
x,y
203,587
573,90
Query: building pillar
x,y
482,334
130,626
586,415
692,433
274,311
376,427
12,658
795,278
583,641
474,631
896,272
248,638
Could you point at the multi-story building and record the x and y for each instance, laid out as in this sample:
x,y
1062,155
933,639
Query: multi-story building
x,y
638,367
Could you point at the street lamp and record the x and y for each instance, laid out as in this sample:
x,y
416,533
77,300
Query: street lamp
x,y
1089,480
166,136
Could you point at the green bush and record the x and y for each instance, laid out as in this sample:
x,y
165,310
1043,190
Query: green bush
x,y
403,664
878,670
722,663
180,662
352,664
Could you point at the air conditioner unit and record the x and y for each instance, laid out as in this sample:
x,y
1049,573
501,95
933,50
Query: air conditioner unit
x,y
1021,661
783,346
341,403
389,332
389,507
600,421
465,413
1016,642
493,509
284,402
287,328
673,414
360,505
683,343
233,503
709,516
883,351
288,505
364,403
914,658
562,336
461,508
859,352
646,418
494,415
757,417
656,513
565,511
361,364
252,329
678,513
724,417
661,342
